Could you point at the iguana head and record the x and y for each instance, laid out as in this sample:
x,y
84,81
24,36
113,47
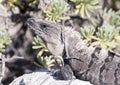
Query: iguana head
x,y
47,30
50,33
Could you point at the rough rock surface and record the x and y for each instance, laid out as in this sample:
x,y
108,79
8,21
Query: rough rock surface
x,y
44,78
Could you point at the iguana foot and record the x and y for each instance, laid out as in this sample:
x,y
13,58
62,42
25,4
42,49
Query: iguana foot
x,y
64,73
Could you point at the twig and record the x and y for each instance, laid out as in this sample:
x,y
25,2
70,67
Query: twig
x,y
4,60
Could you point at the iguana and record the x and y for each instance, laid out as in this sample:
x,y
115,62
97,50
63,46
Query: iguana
x,y
94,64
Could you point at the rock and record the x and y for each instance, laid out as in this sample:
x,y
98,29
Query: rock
x,y
45,78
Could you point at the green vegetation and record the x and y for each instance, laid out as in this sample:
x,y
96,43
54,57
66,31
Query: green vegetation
x,y
114,18
88,32
21,3
84,7
4,39
56,10
105,36
45,62
39,44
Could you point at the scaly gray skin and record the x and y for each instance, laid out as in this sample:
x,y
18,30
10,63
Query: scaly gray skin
x,y
93,64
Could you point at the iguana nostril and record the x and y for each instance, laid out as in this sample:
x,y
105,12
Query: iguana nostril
x,y
30,21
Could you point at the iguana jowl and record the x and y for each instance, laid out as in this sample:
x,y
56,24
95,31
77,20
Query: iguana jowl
x,y
93,64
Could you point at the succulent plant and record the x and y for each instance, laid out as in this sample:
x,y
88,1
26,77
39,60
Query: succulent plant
x,y
106,36
4,39
88,32
56,10
21,3
45,62
38,43
84,7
